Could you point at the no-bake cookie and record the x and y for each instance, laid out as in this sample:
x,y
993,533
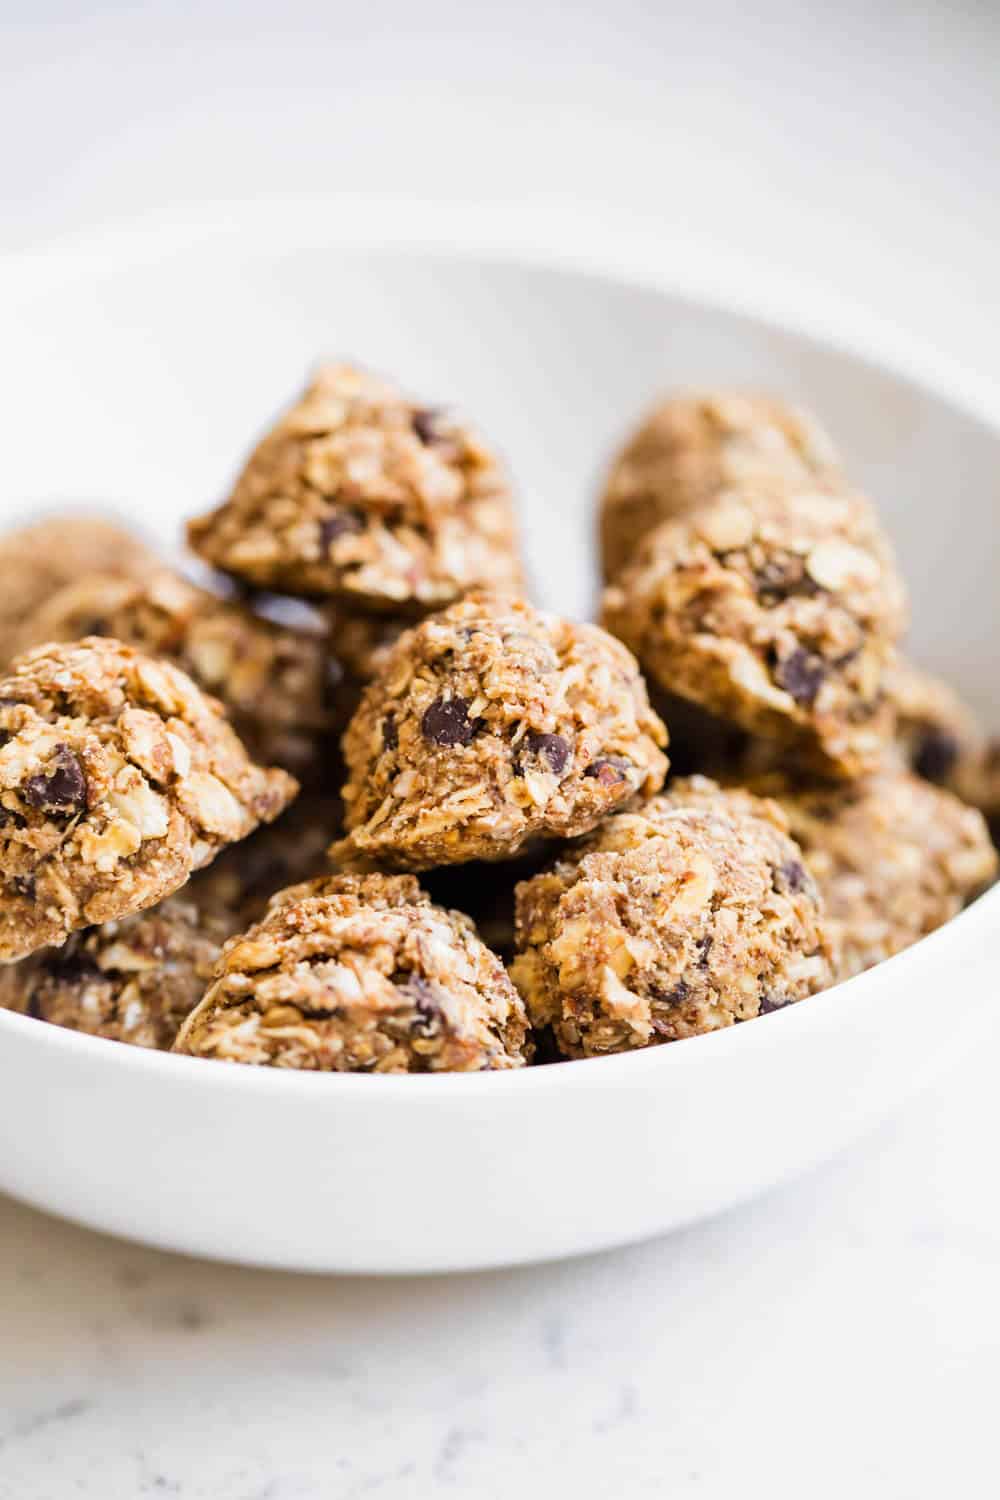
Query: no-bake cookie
x,y
38,560
779,613
492,725
690,448
893,856
360,974
118,778
279,686
358,493
691,913
132,980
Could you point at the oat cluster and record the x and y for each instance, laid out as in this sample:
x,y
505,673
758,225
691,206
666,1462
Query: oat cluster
x,y
778,612
216,798
493,724
692,912
357,493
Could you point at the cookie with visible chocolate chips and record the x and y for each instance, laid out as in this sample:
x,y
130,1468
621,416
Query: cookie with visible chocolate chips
x,y
360,974
493,725
690,448
692,912
118,778
893,857
131,981
360,495
276,682
777,612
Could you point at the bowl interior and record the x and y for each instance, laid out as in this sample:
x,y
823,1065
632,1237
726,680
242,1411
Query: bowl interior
x,y
141,387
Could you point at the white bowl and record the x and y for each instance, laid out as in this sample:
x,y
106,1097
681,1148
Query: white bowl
x,y
135,372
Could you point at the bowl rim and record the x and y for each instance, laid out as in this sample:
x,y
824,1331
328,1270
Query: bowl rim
x,y
621,257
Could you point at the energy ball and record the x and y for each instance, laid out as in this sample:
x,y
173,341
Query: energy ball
x,y
132,980
691,913
360,974
778,613
118,778
38,560
690,448
893,857
493,725
278,685
359,494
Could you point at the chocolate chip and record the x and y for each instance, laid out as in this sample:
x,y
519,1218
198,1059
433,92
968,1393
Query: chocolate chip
x,y
768,1003
792,874
936,754
447,722
609,771
703,947
24,885
75,967
341,523
801,675
664,1025
63,789
551,748
424,422
390,732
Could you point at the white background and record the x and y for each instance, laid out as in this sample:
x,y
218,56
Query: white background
x,y
842,1336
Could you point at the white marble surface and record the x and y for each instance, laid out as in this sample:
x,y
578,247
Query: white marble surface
x,y
841,1336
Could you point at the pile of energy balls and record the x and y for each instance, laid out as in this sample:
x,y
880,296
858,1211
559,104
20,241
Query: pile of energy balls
x,y
357,805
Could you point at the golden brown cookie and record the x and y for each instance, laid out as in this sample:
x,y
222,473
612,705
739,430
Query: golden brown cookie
x,y
118,778
893,856
39,559
690,448
360,974
777,613
132,980
691,913
359,494
279,685
492,725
